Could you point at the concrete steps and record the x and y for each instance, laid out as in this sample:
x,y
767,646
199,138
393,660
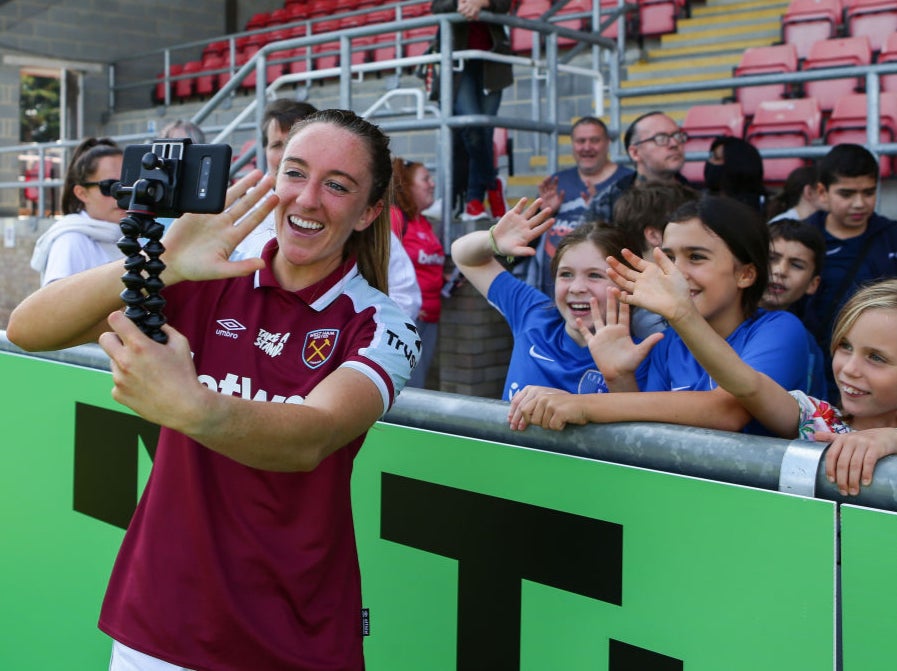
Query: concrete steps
x,y
706,46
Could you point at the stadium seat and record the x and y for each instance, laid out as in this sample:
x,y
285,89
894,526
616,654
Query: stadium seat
x,y
888,55
280,16
207,79
417,40
849,120
298,60
837,52
657,17
185,88
876,19
703,123
258,20
326,55
522,39
808,21
383,47
174,69
572,7
417,9
784,123
217,48
761,61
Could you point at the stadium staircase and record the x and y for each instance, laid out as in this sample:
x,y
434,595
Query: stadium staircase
x,y
706,45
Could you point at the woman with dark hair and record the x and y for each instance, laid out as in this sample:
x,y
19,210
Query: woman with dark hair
x,y
241,553
413,189
735,169
721,249
86,236
799,197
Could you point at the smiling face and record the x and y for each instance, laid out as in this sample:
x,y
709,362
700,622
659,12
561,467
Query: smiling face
x,y
581,274
850,202
96,205
715,277
323,199
590,144
864,364
792,274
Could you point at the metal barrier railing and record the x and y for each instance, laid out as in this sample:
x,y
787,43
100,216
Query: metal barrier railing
x,y
794,467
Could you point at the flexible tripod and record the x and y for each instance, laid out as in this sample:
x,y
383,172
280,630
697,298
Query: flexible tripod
x,y
143,265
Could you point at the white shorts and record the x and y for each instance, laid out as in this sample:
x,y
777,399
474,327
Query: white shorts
x,y
128,659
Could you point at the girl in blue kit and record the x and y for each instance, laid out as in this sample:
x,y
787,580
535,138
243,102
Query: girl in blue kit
x,y
550,337
721,248
864,364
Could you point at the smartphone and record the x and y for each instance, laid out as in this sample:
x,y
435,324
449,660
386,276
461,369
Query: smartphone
x,y
194,177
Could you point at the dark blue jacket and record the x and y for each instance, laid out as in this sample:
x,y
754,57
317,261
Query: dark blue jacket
x,y
879,262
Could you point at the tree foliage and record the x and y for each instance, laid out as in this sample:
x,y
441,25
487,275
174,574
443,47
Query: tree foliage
x,y
39,109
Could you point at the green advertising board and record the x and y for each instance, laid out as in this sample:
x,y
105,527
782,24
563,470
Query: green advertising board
x,y
474,554
869,588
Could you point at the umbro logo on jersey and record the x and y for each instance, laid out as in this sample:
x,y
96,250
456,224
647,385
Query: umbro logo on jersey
x,y
228,328
319,346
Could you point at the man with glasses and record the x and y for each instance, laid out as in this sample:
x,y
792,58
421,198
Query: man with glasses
x,y
656,145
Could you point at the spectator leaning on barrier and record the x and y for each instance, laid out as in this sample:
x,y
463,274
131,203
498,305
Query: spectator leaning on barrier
x,y
861,431
721,248
552,341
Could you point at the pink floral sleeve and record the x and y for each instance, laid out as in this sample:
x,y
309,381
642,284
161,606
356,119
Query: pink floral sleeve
x,y
817,415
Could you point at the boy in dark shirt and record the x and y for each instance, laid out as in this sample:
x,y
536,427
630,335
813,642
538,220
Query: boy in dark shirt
x,y
861,246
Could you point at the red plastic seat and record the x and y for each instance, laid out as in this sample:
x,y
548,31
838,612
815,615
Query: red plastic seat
x,y
784,123
298,60
217,48
417,40
808,21
418,9
572,7
888,55
174,69
703,123
186,87
876,19
838,52
207,80
761,61
657,17
258,20
522,39
849,121
384,47
280,16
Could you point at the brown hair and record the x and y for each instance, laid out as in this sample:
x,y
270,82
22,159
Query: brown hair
x,y
84,163
402,177
609,240
370,246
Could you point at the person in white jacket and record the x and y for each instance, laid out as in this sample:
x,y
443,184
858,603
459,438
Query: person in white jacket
x,y
86,235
